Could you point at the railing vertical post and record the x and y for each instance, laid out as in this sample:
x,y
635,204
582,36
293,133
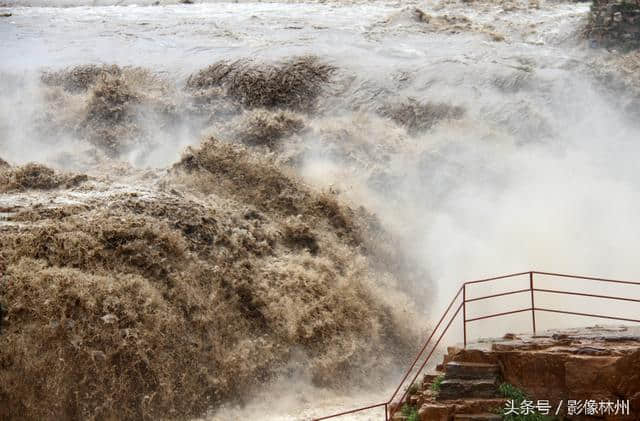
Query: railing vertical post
x,y
464,312
533,305
385,413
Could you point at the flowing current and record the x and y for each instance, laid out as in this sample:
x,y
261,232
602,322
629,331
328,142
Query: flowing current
x,y
486,137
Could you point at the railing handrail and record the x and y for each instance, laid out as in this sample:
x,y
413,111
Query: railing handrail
x,y
589,278
390,409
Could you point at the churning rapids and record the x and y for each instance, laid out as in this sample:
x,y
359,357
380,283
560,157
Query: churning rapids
x,y
241,210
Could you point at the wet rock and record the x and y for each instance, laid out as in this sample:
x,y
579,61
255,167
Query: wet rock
x,y
458,388
421,16
614,22
589,350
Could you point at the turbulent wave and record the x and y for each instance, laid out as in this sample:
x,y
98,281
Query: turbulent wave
x,y
185,288
143,304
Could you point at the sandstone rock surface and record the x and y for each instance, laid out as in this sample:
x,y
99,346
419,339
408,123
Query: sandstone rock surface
x,y
600,364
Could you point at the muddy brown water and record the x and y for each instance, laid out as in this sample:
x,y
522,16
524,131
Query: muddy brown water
x,y
535,169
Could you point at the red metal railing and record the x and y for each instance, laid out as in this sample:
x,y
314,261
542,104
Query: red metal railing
x,y
392,405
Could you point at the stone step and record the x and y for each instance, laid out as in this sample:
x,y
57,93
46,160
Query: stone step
x,y
477,417
468,388
428,378
462,370
446,410
436,412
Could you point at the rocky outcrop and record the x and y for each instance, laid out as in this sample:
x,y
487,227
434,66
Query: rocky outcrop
x,y
615,22
595,364
601,364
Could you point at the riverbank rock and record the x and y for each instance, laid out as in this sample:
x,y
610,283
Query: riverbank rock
x,y
615,23
596,363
